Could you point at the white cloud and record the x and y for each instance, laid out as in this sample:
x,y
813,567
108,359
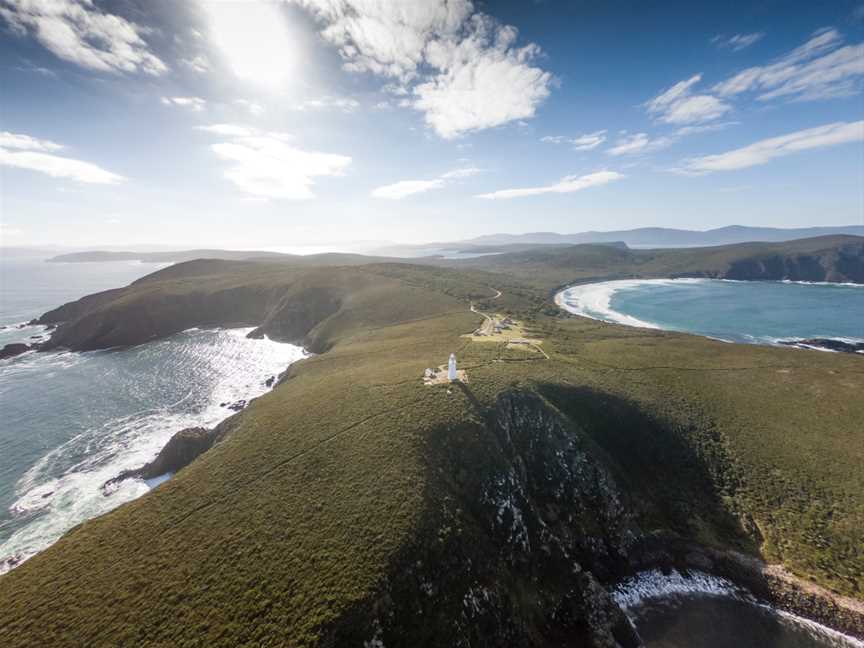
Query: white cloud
x,y
585,142
765,150
198,64
704,128
195,104
405,188
387,38
78,31
466,172
678,105
255,109
639,143
568,184
345,104
818,69
466,70
738,42
19,141
268,165
485,81
25,152
229,130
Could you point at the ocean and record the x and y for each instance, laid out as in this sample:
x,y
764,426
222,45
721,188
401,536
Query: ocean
x,y
71,421
757,312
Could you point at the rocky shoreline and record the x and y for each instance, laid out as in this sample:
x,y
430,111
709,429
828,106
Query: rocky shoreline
x,y
771,584
826,344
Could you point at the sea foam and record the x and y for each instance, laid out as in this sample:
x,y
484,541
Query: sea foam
x,y
62,488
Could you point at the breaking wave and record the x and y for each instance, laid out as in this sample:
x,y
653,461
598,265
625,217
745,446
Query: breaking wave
x,y
75,420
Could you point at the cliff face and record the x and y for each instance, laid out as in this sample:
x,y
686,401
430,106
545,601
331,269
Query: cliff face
x,y
519,534
841,264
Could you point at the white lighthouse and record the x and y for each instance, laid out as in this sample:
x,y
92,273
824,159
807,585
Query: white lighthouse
x,y
451,368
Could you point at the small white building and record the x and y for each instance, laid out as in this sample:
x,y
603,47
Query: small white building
x,y
451,368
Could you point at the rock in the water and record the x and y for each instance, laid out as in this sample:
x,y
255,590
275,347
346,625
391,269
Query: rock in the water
x,y
183,448
828,343
236,406
269,382
14,349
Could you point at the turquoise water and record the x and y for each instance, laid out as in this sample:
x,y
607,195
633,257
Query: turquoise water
x,y
71,421
763,312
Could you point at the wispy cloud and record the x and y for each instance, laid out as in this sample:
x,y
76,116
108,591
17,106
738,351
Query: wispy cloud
x,y
19,141
678,104
639,143
343,104
195,104
199,64
267,165
26,152
821,68
738,42
255,109
229,130
766,150
460,68
584,142
79,32
405,188
567,184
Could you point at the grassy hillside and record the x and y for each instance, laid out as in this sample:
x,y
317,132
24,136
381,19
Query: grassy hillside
x,y
353,502
831,258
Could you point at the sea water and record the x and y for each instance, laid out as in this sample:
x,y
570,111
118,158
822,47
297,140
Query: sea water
x,y
71,421
763,312
699,610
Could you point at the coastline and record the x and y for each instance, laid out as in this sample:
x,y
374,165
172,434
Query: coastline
x,y
59,487
770,584
596,296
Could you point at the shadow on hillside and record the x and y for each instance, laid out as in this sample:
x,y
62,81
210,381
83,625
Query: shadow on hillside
x,y
676,474
466,390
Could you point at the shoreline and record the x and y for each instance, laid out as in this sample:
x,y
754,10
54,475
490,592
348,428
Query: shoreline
x,y
770,584
51,514
813,342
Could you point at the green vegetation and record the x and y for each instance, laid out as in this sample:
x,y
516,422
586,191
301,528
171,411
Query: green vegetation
x,y
353,501
829,258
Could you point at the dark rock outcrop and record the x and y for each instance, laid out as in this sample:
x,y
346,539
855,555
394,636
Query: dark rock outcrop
x,y
183,448
514,551
14,349
827,343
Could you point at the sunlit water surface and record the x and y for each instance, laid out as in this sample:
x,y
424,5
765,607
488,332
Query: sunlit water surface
x,y
71,421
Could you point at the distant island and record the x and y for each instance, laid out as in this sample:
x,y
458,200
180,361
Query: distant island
x,y
99,256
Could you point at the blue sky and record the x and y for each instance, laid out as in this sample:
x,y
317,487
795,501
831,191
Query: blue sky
x,y
319,122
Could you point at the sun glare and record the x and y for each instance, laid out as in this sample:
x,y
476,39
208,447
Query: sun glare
x,y
254,38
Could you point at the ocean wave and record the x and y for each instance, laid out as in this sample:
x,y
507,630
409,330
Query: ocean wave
x,y
594,300
846,284
653,585
63,487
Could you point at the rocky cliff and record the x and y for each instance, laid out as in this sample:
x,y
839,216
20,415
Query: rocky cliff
x,y
520,533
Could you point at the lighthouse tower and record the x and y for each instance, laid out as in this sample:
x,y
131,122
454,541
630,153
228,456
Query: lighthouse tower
x,y
451,368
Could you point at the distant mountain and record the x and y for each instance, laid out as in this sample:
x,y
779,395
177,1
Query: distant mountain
x,y
645,237
666,237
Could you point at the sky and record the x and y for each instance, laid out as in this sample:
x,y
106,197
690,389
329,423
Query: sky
x,y
276,124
